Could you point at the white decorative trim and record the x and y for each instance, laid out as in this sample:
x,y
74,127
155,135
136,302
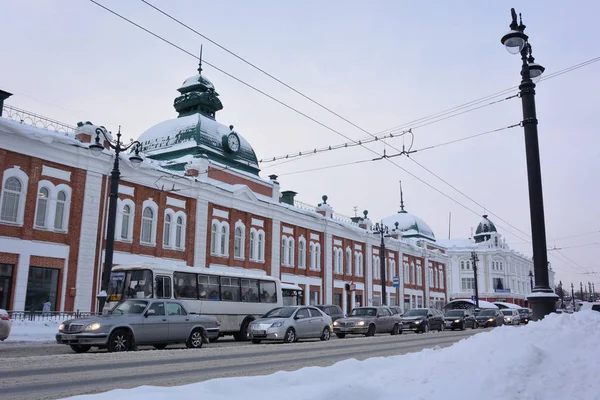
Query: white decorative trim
x,y
376,251
287,230
149,203
24,180
127,190
314,236
258,222
56,173
337,242
119,225
220,213
171,201
358,247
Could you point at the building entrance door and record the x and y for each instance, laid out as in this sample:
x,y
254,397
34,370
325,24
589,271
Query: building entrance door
x,y
6,280
42,284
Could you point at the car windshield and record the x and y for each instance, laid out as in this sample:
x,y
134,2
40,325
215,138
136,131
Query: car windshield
x,y
132,284
130,307
416,313
454,313
359,312
507,312
280,312
523,311
487,313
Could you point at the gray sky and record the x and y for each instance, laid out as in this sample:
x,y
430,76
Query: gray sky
x,y
380,64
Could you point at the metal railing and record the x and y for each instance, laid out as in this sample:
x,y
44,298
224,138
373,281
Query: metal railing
x,y
58,316
39,121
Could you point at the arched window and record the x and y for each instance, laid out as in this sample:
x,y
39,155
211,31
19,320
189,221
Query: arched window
x,y
252,244
406,273
462,265
167,231
348,261
311,255
284,250
441,279
412,273
42,207
290,252
147,225
301,253
360,264
214,238
341,261
238,242
179,233
224,245
392,270
59,216
318,257
125,222
11,200
261,246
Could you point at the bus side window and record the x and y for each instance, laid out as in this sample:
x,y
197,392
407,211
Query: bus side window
x,y
163,287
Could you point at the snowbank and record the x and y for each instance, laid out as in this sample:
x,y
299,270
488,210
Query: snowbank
x,y
558,357
33,331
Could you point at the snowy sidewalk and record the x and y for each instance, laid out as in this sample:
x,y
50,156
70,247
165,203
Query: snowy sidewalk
x,y
33,331
557,358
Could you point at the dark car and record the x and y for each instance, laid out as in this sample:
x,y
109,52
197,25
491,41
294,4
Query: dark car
x,y
422,320
489,317
396,310
335,312
459,319
132,322
525,314
367,321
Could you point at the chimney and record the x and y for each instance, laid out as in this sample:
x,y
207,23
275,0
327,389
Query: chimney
x,y
3,96
396,232
365,223
287,197
276,187
86,133
325,209
198,167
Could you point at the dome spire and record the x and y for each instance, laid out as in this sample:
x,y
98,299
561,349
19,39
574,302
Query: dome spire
x,y
200,61
402,210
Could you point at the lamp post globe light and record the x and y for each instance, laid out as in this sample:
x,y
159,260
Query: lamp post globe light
x,y
382,231
542,297
115,176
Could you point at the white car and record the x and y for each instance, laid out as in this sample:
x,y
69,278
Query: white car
x,y
5,324
511,316
587,306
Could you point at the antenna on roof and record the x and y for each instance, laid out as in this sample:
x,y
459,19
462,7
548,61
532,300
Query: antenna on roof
x,y
200,63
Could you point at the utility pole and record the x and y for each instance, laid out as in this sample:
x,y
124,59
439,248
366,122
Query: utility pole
x,y
382,230
581,289
590,291
573,297
474,258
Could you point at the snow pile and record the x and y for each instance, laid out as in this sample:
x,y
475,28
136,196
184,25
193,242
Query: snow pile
x,y
33,331
558,358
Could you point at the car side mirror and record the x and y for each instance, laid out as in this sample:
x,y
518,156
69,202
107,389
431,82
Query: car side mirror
x,y
150,312
430,315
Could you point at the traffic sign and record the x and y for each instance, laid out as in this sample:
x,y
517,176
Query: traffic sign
x,y
396,281
473,298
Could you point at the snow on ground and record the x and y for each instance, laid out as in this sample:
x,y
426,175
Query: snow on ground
x,y
558,357
33,331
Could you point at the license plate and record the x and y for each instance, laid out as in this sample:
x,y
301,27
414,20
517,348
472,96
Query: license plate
x,y
259,332
448,323
67,337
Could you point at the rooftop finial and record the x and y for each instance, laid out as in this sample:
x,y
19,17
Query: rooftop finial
x,y
200,62
401,199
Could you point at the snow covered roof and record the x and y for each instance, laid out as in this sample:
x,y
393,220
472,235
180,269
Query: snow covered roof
x,y
196,80
409,225
502,304
459,243
43,135
482,303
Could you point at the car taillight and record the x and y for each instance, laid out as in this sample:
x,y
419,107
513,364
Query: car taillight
x,y
5,317
217,323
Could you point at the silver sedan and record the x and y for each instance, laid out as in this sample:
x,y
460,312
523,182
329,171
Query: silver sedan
x,y
289,324
137,322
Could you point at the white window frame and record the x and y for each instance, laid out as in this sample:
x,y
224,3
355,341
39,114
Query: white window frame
x,y
441,279
119,225
224,233
183,216
430,274
44,224
242,239
311,256
260,244
376,267
419,275
67,207
358,263
253,247
168,231
49,223
284,250
301,252
290,252
349,261
406,272
392,264
317,250
413,273
15,172
154,207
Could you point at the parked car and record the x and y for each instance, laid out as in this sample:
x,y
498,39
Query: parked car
x,y
290,324
525,314
367,321
5,324
511,316
396,310
422,320
335,312
139,322
459,319
489,317
587,306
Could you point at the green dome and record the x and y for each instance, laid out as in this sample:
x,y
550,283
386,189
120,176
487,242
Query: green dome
x,y
484,229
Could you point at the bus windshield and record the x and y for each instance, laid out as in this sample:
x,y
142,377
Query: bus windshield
x,y
132,284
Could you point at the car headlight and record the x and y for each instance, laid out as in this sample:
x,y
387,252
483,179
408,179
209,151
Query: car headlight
x,y
335,323
490,320
93,326
457,321
61,327
360,323
418,322
277,324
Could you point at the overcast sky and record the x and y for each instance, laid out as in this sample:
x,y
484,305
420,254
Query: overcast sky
x,y
379,64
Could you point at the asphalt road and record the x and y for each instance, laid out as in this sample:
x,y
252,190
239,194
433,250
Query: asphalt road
x,y
51,371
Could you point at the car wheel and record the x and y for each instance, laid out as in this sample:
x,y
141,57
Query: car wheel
x,y
119,340
326,335
213,340
475,325
340,335
256,341
463,326
425,328
242,334
441,328
290,336
370,331
396,329
196,340
160,346
80,348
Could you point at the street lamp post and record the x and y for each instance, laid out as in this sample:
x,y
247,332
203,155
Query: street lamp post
x,y
474,258
115,176
382,231
542,298
531,279
581,290
573,296
561,295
